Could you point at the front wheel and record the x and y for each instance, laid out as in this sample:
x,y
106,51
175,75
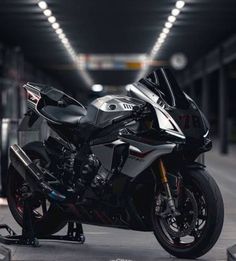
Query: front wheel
x,y
196,229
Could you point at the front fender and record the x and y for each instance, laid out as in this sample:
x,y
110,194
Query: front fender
x,y
194,165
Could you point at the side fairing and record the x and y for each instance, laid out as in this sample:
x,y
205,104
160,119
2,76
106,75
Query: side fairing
x,y
140,154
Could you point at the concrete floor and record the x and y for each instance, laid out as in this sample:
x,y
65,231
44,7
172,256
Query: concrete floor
x,y
114,244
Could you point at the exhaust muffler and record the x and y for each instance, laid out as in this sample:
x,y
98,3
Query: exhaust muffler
x,y
32,174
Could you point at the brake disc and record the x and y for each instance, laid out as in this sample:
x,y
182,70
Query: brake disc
x,y
183,224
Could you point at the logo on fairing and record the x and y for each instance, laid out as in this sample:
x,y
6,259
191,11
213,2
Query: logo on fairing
x,y
189,121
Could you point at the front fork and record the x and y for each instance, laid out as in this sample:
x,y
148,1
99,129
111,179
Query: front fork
x,y
164,180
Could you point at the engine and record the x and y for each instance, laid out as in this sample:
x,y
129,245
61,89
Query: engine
x,y
89,169
93,174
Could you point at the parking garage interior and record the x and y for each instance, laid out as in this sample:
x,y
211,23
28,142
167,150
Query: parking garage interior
x,y
89,49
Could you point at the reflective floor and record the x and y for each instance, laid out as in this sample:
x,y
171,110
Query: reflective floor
x,y
114,244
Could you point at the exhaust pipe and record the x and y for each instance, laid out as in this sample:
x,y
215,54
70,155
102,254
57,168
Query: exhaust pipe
x,y
32,174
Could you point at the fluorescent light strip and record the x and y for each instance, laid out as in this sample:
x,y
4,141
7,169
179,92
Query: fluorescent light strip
x,y
62,37
162,36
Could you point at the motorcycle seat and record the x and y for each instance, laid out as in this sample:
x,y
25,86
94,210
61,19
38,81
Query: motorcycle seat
x,y
69,115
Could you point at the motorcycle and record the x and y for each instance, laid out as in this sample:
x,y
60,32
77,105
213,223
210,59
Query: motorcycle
x,y
128,162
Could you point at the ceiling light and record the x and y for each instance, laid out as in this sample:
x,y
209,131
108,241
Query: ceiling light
x,y
97,87
166,30
175,12
65,40
160,40
180,4
51,19
168,25
61,36
47,12
55,25
70,51
67,45
157,44
59,31
162,35
171,19
42,4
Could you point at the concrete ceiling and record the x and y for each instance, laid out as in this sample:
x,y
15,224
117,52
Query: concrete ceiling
x,y
112,27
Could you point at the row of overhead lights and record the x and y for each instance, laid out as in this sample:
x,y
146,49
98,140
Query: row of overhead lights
x,y
64,40
163,35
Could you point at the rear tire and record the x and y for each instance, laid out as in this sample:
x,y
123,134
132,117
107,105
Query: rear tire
x,y
51,221
196,177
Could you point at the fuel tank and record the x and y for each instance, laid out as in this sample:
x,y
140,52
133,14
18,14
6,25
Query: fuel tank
x,y
102,111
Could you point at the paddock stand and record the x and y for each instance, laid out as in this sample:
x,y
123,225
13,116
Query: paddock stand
x,y
74,232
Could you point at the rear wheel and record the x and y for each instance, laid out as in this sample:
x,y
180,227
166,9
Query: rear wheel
x,y
195,231
48,218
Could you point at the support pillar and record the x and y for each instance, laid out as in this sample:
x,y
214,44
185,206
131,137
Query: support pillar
x,y
223,110
205,91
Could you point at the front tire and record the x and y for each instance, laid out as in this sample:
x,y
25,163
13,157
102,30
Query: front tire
x,y
210,209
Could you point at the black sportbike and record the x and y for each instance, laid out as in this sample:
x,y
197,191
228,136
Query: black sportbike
x,y
128,162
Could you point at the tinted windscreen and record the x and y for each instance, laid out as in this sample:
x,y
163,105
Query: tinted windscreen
x,y
163,84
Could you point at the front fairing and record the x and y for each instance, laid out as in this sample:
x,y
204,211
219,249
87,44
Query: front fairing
x,y
194,126
176,113
191,121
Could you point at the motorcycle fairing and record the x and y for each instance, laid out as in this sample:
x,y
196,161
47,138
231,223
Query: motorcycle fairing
x,y
101,113
141,153
176,112
165,120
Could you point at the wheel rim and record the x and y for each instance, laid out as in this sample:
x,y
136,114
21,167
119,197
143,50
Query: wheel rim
x,y
41,205
200,223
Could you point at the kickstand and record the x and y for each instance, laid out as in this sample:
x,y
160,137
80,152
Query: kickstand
x,y
74,232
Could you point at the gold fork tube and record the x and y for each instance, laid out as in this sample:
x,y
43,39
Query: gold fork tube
x,y
166,186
